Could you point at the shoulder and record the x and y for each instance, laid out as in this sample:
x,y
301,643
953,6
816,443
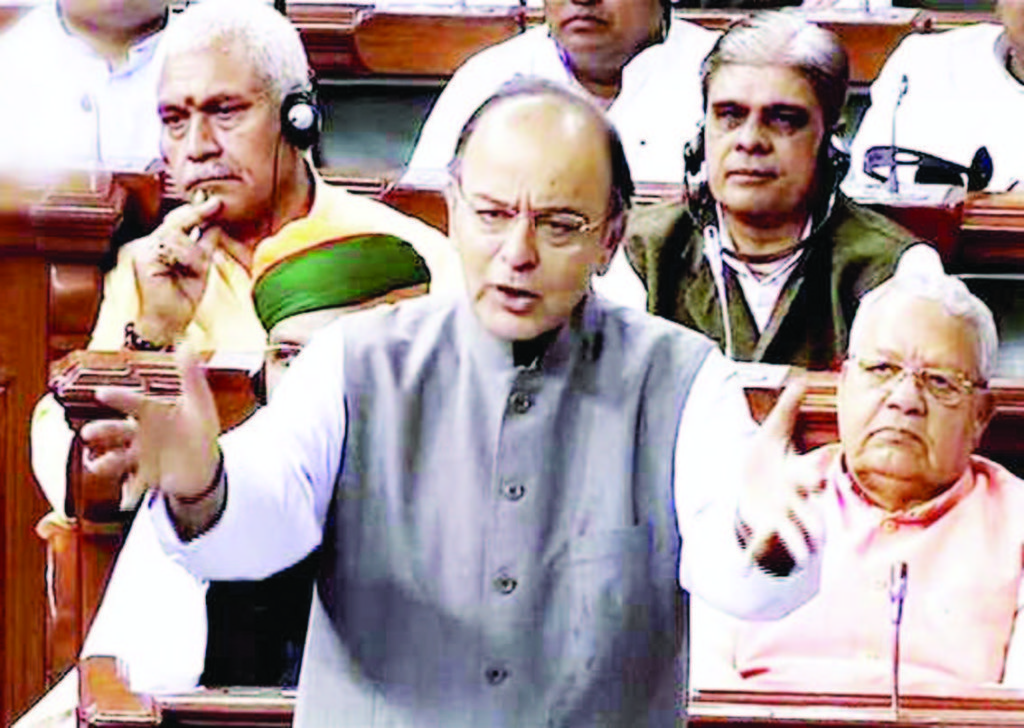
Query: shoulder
x,y
651,225
648,337
859,232
922,51
38,26
690,39
508,56
1002,483
392,329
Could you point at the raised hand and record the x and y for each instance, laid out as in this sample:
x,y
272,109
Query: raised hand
x,y
777,520
173,441
172,265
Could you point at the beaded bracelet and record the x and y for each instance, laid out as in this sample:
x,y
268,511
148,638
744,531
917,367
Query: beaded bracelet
x,y
134,342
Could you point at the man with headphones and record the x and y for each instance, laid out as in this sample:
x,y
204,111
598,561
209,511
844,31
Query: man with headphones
x,y
630,57
767,257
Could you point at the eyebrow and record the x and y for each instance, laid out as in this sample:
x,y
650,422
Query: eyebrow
x,y
483,196
205,103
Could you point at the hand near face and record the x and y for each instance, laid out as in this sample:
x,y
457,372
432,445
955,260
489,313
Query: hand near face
x,y
173,442
171,267
777,520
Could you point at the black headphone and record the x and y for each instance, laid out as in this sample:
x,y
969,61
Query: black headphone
x,y
301,117
833,157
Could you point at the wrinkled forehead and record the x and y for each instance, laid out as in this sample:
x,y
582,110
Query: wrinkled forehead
x,y
919,331
221,67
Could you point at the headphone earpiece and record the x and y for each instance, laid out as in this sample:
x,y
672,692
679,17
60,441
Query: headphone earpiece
x,y
693,153
300,118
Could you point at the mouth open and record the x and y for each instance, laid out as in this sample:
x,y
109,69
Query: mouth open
x,y
516,300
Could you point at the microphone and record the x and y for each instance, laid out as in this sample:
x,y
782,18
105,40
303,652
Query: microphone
x,y
894,183
897,595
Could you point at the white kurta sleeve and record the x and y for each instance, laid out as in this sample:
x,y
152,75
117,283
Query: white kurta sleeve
x,y
281,466
712,446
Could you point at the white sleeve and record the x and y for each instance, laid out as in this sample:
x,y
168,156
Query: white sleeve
x,y
1013,670
149,588
281,466
712,446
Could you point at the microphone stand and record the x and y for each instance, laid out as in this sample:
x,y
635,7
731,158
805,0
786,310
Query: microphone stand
x,y
894,183
897,595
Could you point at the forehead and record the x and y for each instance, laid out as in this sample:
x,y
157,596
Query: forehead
x,y
921,332
759,86
543,150
221,69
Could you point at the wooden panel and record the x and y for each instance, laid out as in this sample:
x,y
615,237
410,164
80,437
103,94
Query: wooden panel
x,y
38,228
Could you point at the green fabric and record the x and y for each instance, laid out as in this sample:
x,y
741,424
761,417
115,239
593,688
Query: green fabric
x,y
343,272
850,251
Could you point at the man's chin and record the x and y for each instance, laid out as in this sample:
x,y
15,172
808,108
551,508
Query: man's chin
x,y
510,327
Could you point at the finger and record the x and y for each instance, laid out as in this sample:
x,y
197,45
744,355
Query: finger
x,y
107,434
129,401
112,465
780,423
188,216
195,390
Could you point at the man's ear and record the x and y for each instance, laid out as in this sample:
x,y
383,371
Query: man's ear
x,y
613,235
986,409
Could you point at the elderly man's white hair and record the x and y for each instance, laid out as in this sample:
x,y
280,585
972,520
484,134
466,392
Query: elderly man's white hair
x,y
954,298
268,38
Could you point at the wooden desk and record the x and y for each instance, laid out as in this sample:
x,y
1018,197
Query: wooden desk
x,y
50,243
106,702
733,709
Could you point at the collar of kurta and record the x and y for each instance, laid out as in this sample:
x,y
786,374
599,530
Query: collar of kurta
x,y
578,341
858,504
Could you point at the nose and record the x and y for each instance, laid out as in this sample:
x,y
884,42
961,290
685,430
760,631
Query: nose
x,y
751,136
519,249
200,141
906,393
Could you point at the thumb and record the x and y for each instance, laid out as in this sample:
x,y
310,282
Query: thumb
x,y
781,422
195,390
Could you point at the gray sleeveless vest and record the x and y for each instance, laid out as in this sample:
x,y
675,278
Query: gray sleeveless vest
x,y
502,547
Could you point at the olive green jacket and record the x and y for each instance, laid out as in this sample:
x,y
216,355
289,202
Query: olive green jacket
x,y
850,251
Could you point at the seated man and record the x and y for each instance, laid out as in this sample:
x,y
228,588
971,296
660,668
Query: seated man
x,y
768,258
948,94
499,479
631,57
234,73
902,487
79,85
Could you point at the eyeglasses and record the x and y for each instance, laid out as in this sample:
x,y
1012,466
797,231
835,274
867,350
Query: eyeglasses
x,y
945,386
553,228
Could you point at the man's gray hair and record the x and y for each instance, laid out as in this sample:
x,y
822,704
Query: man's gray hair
x,y
784,38
270,41
956,300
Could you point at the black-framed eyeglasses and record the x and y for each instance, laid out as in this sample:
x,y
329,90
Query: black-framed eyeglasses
x,y
946,386
554,228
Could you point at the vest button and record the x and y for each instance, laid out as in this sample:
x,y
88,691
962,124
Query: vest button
x,y
496,675
505,584
521,402
513,491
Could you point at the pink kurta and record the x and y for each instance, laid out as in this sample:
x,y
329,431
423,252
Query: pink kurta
x,y
964,553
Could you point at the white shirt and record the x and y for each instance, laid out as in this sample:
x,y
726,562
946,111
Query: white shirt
x,y
656,112
64,107
959,97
